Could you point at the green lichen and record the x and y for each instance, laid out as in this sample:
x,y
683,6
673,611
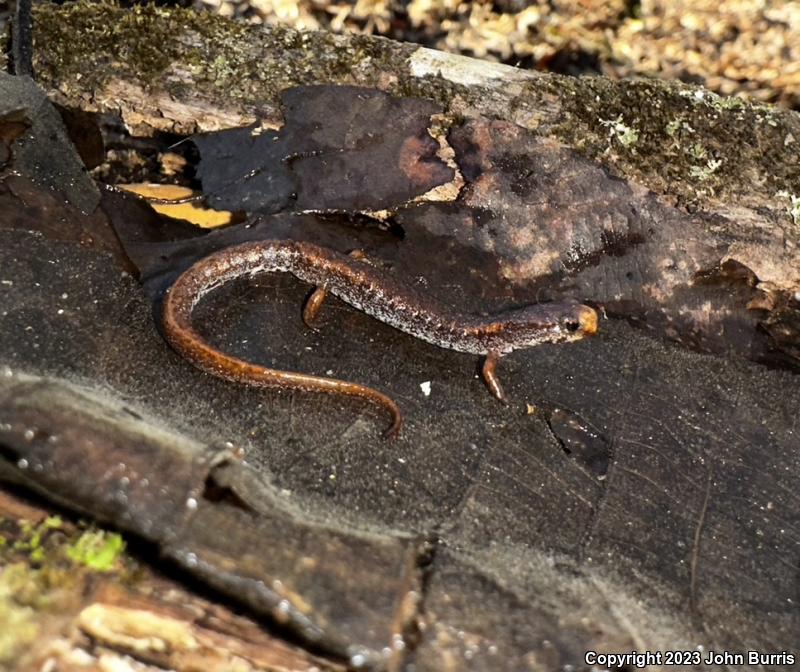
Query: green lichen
x,y
697,151
725,102
97,550
680,129
626,135
703,173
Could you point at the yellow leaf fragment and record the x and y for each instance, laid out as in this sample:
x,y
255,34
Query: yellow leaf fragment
x,y
191,212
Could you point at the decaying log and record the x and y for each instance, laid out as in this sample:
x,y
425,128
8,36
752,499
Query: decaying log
x,y
73,597
705,209
637,494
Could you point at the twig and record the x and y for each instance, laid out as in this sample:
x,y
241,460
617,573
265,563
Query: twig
x,y
696,549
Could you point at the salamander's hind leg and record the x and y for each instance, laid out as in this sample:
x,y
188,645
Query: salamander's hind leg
x,y
312,306
489,373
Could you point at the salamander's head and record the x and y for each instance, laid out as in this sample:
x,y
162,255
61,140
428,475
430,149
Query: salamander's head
x,y
580,321
549,323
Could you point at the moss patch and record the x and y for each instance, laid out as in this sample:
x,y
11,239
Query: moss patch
x,y
689,141
148,44
97,550
674,138
31,537
51,544
44,568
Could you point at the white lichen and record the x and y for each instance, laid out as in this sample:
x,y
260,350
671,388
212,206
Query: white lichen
x,y
793,208
624,134
702,173
697,151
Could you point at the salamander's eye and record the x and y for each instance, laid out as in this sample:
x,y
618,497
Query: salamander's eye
x,y
572,325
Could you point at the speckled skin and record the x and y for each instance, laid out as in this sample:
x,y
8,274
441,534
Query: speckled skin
x,y
364,287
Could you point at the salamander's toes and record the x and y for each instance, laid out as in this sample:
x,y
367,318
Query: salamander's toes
x,y
313,305
489,373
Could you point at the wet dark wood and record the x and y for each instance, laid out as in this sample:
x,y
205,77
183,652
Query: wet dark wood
x,y
635,493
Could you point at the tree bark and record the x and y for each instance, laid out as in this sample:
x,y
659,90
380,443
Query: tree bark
x,y
642,496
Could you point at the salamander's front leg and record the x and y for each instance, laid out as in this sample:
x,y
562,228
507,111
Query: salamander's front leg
x,y
489,373
312,306
315,300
